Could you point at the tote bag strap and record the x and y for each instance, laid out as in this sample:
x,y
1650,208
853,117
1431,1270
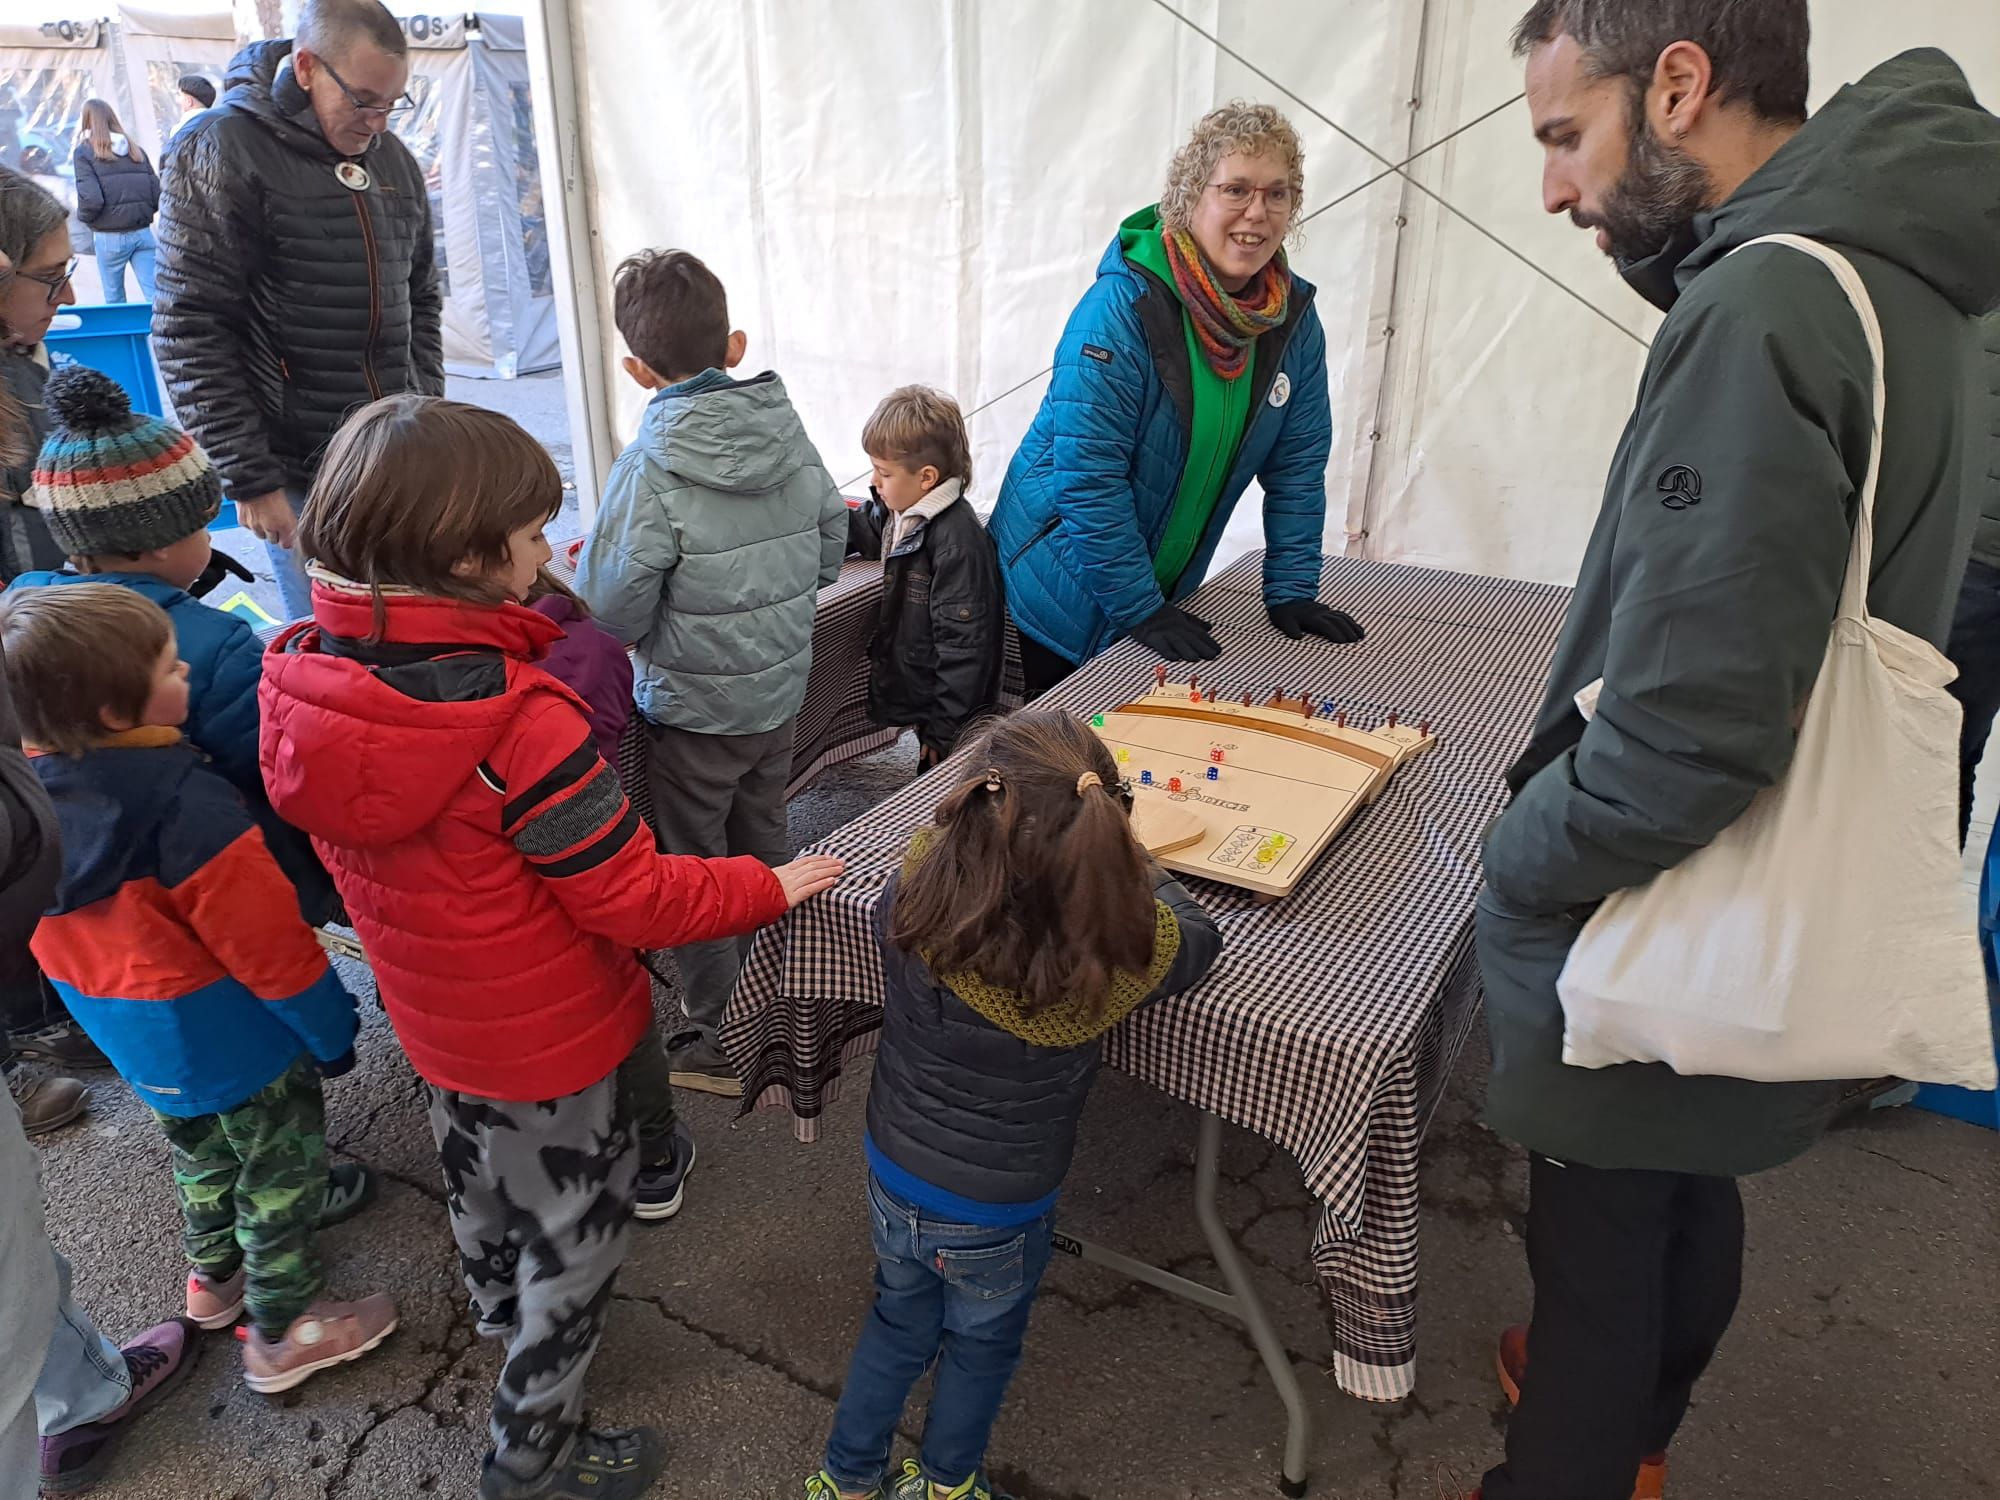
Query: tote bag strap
x,y
1861,549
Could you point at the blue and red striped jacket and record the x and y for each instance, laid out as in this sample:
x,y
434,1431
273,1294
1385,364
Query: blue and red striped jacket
x,y
173,938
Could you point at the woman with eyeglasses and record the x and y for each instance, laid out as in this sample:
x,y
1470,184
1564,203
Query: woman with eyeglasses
x,y
34,235
1193,365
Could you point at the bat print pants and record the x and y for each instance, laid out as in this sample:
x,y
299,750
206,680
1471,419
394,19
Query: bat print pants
x,y
540,1195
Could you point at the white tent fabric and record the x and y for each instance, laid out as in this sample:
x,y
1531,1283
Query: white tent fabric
x,y
162,43
919,190
473,132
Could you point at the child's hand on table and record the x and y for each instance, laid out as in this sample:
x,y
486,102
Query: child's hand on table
x,y
806,878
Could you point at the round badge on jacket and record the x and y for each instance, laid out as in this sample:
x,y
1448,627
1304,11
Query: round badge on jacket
x,y
354,176
1281,389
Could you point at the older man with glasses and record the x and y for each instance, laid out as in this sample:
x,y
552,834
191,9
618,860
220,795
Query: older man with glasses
x,y
297,274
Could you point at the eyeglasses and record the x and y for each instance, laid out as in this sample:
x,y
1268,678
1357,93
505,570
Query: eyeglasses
x,y
55,281
1279,198
401,104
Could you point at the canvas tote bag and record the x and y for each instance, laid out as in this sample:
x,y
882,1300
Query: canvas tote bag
x,y
1823,934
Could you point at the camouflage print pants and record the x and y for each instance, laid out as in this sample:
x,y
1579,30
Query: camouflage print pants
x,y
540,1195
252,1181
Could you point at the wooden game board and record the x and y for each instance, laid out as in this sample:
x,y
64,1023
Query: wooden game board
x,y
1289,777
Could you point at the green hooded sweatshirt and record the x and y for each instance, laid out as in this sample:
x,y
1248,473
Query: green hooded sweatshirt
x,y
1221,416
1708,588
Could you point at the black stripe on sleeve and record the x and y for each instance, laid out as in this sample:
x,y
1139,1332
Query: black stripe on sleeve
x,y
596,852
572,768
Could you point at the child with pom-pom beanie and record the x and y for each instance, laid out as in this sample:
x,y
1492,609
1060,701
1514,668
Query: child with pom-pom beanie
x,y
129,498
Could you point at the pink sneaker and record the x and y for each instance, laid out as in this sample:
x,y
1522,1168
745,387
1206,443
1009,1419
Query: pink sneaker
x,y
324,1335
214,1304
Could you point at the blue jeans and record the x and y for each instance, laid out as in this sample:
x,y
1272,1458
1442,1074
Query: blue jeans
x,y
79,1375
132,247
84,1375
294,590
956,1293
1974,648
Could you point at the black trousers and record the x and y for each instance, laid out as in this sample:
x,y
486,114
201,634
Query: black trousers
x,y
1636,1279
1041,668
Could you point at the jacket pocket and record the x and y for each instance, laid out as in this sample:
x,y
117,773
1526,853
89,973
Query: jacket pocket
x,y
990,1273
1047,530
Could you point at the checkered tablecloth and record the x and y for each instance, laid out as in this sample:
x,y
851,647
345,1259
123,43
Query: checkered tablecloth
x,y
1333,1015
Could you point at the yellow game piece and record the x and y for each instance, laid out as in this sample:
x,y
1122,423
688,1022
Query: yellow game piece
x,y
1124,755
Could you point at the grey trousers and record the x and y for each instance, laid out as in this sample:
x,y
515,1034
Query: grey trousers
x,y
540,1195
718,794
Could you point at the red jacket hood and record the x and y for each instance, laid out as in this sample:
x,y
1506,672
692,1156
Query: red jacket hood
x,y
327,709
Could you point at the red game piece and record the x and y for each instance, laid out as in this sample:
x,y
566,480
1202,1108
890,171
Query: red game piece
x,y
1216,754
1173,783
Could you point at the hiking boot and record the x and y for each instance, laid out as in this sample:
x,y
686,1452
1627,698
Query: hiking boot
x,y
64,1044
660,1187
599,1464
913,1486
697,1063
350,1187
73,1461
822,1486
213,1304
324,1335
47,1101
1510,1359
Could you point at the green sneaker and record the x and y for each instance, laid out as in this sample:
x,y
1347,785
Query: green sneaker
x,y
821,1487
913,1486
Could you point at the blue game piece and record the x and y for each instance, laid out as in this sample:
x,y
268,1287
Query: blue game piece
x,y
1145,778
1214,774
1326,707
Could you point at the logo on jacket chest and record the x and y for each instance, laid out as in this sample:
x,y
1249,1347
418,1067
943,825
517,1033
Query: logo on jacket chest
x,y
1679,487
352,176
1281,389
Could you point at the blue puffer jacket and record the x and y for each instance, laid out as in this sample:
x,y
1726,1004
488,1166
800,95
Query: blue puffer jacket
x,y
224,661
1087,496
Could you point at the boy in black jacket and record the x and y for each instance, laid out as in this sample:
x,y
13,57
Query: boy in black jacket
x,y
935,658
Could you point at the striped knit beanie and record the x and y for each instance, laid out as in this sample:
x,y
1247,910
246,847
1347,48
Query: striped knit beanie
x,y
110,481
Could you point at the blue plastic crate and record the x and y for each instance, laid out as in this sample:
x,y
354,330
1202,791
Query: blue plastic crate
x,y
116,338
1981,1107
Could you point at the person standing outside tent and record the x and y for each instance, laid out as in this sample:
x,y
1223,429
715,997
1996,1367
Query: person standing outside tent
x,y
117,194
297,268
1677,131
1194,364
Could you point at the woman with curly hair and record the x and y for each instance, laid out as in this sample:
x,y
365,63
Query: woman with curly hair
x,y
1193,365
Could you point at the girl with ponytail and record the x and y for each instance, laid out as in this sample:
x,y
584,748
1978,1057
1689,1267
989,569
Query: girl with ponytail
x,y
1024,924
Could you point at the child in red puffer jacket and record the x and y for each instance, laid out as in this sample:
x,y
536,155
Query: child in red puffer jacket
x,y
500,883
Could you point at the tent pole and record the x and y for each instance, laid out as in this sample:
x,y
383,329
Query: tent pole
x,y
559,142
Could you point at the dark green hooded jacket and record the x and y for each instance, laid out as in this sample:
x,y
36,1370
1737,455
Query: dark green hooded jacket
x,y
1707,593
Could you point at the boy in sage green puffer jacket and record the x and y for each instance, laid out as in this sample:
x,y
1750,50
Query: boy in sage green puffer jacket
x,y
718,528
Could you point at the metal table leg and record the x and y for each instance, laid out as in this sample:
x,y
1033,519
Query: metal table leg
x,y
1240,1301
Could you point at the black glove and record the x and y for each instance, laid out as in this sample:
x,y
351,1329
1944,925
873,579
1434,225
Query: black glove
x,y
341,1064
1176,635
220,566
1297,617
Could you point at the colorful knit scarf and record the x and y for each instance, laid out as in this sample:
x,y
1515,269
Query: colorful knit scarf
x,y
1226,325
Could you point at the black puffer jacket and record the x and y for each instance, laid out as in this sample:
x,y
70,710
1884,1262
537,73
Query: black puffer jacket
x,y
115,194
963,1105
287,299
935,658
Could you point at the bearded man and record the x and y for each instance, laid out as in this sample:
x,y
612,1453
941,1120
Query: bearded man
x,y
1677,131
